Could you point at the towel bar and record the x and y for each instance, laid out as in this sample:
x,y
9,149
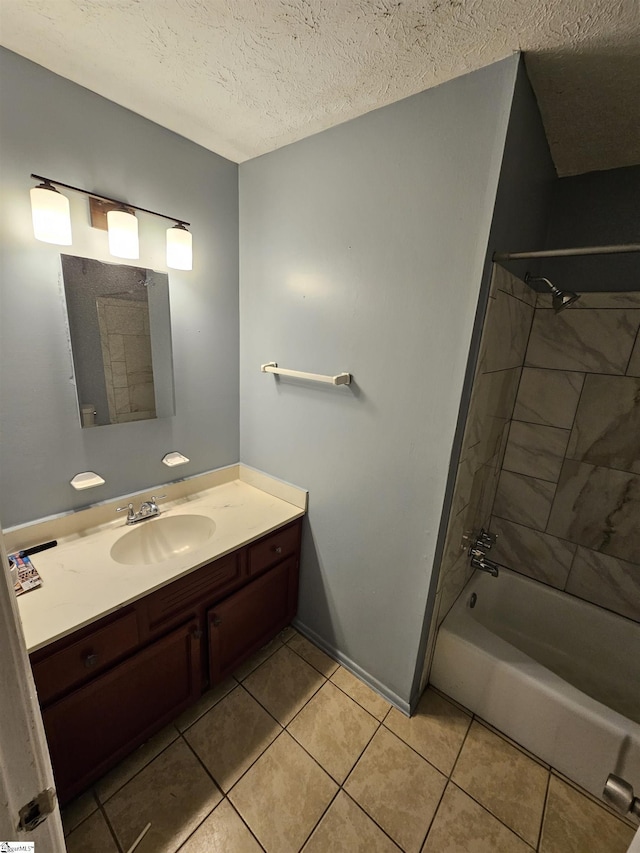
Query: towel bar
x,y
340,379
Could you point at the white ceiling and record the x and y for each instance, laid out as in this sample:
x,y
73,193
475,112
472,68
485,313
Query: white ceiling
x,y
243,77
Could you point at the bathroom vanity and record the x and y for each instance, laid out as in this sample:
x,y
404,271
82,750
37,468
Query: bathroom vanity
x,y
173,627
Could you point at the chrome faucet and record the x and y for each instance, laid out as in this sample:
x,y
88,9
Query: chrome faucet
x,y
483,542
148,509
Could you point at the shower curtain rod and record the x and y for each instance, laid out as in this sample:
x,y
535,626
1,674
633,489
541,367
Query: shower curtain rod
x,y
565,253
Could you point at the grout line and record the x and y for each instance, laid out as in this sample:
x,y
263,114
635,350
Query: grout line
x,y
544,811
485,808
258,842
110,826
321,818
636,343
364,811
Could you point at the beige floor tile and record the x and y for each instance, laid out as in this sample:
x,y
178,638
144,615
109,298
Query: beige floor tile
x,y
283,684
206,701
575,824
463,826
78,810
397,788
132,764
436,730
222,832
92,836
174,793
504,780
283,796
287,634
334,729
345,828
313,655
230,736
362,694
256,659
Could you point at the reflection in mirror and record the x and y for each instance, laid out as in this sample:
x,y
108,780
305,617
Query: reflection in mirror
x,y
120,332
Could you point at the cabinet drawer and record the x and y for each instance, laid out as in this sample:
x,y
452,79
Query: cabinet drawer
x,y
178,598
274,548
80,660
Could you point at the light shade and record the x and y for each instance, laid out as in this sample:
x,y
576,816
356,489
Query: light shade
x,y
179,248
123,234
51,216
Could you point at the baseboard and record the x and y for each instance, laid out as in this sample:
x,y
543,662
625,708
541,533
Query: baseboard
x,y
354,668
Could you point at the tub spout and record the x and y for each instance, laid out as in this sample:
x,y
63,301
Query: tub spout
x,y
479,561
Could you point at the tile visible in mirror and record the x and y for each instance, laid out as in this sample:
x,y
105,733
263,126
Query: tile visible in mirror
x,y
575,824
598,507
598,341
397,788
462,825
548,397
532,553
525,500
607,426
607,581
535,450
495,774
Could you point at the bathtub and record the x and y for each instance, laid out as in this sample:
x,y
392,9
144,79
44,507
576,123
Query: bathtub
x,y
558,675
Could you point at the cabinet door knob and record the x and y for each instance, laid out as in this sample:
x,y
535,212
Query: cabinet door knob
x,y
196,633
216,620
90,661
278,549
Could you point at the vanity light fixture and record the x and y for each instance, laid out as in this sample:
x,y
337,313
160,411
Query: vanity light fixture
x,y
175,458
122,226
50,214
52,223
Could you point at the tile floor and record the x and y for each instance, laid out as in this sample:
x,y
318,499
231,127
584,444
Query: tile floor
x,y
294,753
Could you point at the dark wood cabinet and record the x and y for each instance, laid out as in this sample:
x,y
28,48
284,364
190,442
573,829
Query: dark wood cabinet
x,y
108,687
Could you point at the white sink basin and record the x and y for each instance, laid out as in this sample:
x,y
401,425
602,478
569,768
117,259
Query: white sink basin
x,y
160,539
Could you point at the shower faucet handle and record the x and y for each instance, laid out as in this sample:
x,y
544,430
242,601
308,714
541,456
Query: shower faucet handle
x,y
485,539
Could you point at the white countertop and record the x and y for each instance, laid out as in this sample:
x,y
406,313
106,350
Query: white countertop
x,y
81,582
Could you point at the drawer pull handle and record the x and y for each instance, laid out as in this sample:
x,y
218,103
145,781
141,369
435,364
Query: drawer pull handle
x,y
90,661
216,620
277,549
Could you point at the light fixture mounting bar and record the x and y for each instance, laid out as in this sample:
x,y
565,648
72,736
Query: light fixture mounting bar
x,y
124,204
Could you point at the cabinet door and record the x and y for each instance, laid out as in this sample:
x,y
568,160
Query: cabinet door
x,y
246,620
92,728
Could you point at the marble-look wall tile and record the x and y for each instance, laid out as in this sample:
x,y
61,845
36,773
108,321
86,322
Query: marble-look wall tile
x,y
453,583
535,450
598,341
607,427
489,412
606,581
548,397
525,500
598,507
532,553
602,299
633,368
503,280
505,333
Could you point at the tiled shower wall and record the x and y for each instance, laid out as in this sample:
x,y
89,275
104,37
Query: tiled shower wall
x,y
567,506
502,351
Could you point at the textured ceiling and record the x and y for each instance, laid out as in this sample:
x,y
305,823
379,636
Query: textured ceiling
x,y
242,77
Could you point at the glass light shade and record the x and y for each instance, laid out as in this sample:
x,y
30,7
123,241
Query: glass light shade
x,y
51,216
179,248
123,234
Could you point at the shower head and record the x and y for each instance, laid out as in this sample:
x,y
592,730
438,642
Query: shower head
x,y
560,299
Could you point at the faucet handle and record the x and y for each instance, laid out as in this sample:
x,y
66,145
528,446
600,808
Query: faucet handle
x,y
128,508
486,539
155,498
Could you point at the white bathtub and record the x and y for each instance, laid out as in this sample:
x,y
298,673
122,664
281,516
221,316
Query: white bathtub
x,y
558,675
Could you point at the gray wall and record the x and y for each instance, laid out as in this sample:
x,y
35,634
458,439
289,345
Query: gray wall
x,y
53,127
600,208
362,249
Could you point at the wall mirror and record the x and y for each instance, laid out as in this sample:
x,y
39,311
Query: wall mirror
x,y
120,332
